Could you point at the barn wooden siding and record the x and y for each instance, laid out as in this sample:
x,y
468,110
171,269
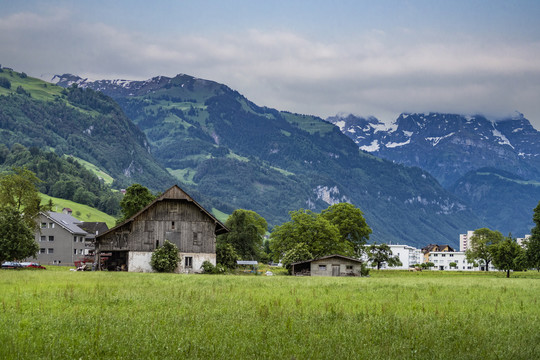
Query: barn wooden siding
x,y
180,221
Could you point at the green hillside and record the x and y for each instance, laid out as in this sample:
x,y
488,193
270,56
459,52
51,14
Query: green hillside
x,y
497,195
77,122
80,212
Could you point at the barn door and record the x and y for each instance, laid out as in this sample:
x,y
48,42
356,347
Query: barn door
x,y
335,270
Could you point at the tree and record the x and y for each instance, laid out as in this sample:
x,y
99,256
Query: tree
x,y
19,190
135,199
453,265
226,255
165,258
351,224
533,243
298,253
481,245
16,237
319,235
247,230
508,255
379,254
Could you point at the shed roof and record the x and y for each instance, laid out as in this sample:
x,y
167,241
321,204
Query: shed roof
x,y
328,257
246,262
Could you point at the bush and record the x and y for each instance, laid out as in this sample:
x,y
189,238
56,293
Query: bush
x,y
5,83
226,255
165,258
209,268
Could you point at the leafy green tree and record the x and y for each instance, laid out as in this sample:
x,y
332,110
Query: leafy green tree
x,y
135,199
533,243
247,229
5,83
453,265
379,254
19,190
482,242
226,255
351,224
16,237
299,252
165,258
508,255
320,236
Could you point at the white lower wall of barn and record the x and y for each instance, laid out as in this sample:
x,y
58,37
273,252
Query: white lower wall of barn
x,y
139,261
196,262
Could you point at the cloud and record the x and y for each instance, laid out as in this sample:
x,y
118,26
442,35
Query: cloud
x,y
376,72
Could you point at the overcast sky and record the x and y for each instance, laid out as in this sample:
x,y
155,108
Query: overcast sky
x,y
376,58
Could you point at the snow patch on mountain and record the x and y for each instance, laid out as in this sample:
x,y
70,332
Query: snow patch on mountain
x,y
503,139
394,144
374,146
435,140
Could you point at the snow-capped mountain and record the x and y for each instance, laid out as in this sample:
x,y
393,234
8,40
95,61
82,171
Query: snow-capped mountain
x,y
449,145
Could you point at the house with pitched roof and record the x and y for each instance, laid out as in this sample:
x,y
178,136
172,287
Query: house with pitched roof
x,y
174,216
62,239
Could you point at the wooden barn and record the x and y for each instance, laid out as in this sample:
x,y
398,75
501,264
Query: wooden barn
x,y
173,216
331,265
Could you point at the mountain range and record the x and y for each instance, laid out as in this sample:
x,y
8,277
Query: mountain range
x,y
493,166
241,155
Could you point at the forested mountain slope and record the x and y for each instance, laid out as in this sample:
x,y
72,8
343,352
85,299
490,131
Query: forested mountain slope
x,y
223,146
79,122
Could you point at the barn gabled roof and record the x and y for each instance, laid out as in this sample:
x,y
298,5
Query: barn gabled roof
x,y
174,193
328,257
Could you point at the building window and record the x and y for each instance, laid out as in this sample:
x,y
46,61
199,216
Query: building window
x,y
42,251
43,238
51,225
197,238
443,255
51,238
172,225
188,262
81,239
80,251
322,267
435,254
74,239
51,251
349,267
43,225
74,251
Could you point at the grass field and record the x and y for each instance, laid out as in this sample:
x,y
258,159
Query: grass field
x,y
53,314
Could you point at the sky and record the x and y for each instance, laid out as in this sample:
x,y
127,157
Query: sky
x,y
368,58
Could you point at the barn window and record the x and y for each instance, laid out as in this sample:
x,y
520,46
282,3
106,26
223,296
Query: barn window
x,y
189,262
172,225
322,267
197,238
349,267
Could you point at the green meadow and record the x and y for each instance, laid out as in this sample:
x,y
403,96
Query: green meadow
x,y
60,314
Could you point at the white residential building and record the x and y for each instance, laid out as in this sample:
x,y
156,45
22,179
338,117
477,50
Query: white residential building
x,y
465,240
408,255
521,240
443,259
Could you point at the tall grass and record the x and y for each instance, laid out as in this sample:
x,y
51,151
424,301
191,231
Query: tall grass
x,y
98,315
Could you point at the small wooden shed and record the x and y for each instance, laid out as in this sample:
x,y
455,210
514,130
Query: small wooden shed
x,y
331,265
173,216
